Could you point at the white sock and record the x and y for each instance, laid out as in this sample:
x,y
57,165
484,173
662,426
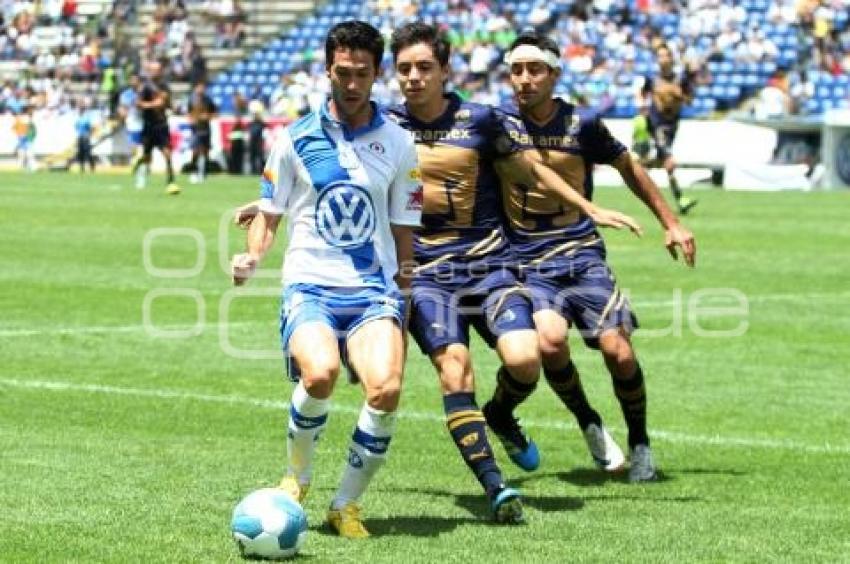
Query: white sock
x,y
202,166
307,419
367,452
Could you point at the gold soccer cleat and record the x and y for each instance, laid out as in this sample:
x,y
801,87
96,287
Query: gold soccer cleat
x,y
293,489
347,522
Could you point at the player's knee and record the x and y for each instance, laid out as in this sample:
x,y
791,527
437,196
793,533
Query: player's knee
x,y
552,342
453,365
453,379
319,378
618,352
523,363
385,396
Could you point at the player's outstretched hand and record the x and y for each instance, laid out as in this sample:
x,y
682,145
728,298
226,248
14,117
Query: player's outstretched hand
x,y
244,215
678,236
242,267
610,218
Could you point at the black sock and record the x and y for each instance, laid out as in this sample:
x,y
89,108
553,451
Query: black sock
x,y
632,396
566,384
509,392
169,171
674,188
466,426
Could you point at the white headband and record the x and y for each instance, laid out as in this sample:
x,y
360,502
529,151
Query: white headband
x,y
525,53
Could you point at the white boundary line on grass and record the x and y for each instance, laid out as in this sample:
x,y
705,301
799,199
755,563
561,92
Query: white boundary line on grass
x,y
669,436
84,329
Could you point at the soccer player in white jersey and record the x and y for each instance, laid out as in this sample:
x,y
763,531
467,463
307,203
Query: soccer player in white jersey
x,y
349,184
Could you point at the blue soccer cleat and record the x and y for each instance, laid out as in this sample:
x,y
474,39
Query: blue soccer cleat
x,y
522,451
507,507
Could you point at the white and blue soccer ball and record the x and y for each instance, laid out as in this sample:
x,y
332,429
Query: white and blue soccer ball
x,y
269,524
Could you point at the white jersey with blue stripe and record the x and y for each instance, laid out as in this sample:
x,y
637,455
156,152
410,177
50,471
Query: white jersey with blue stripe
x,y
341,191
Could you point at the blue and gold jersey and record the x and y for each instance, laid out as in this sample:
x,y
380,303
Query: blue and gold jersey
x,y
462,209
541,227
667,94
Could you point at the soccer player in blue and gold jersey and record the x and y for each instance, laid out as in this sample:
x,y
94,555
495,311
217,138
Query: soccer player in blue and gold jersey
x,y
465,275
562,255
666,93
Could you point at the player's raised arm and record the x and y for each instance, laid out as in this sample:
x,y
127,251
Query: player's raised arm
x,y
639,182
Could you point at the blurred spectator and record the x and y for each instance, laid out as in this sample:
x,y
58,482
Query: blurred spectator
x,y
236,155
256,137
802,89
774,100
84,127
25,132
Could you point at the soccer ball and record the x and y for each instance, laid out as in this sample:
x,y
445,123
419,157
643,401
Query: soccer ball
x,y
269,524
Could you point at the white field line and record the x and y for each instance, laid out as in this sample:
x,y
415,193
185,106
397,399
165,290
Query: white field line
x,y
648,304
668,436
83,329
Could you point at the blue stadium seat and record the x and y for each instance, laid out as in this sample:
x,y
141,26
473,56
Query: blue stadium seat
x,y
813,106
689,112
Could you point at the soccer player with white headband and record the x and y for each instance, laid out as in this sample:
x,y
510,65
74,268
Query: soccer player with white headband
x,y
562,257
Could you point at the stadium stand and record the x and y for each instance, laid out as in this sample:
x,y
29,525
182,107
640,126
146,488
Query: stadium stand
x,y
770,57
738,46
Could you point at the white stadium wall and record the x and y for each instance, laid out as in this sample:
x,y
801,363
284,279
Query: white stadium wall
x,y
742,150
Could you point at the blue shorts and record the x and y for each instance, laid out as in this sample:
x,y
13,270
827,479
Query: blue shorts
x,y
343,310
663,132
441,314
135,137
586,294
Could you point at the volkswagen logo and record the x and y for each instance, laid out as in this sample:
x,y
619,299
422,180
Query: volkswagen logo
x,y
345,215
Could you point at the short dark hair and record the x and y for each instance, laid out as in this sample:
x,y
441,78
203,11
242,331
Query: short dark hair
x,y
354,34
531,37
414,33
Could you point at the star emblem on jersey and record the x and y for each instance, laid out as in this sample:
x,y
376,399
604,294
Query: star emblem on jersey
x,y
345,215
416,199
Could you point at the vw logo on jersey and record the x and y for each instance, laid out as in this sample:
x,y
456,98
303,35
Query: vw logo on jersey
x,y
345,215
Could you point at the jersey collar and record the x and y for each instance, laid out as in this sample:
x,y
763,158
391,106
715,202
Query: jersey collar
x,y
348,133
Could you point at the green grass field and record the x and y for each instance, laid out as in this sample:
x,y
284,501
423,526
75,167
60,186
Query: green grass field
x,y
122,444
